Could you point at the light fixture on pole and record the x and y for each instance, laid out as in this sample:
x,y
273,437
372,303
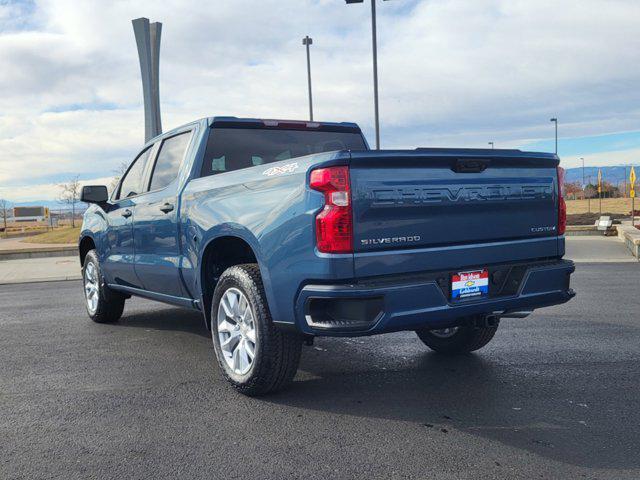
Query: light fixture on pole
x,y
555,120
307,42
374,35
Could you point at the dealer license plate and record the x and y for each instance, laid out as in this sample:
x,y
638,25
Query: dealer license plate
x,y
469,284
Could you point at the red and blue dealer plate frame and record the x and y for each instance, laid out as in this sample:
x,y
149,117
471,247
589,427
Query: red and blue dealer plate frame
x,y
474,283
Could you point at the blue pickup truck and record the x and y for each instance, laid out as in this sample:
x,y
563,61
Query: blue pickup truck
x,y
280,231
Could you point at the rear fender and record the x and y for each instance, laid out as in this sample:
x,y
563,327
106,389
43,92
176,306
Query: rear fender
x,y
242,233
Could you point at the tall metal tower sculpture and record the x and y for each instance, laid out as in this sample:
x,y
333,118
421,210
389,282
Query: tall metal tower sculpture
x,y
148,41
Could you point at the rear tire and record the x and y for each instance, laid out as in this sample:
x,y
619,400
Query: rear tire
x,y
254,356
457,340
103,304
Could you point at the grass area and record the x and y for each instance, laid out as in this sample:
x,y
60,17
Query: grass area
x,y
621,206
58,235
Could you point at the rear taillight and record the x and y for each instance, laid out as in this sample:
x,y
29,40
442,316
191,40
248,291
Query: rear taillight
x,y
334,224
562,205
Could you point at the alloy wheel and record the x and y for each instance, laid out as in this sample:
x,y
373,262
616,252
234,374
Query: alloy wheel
x,y
236,331
91,287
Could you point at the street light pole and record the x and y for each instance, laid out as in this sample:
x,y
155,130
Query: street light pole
x,y
374,38
555,120
308,41
490,143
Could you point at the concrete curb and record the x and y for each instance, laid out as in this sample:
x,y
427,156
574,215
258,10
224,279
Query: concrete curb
x,y
42,280
584,230
631,238
579,230
19,254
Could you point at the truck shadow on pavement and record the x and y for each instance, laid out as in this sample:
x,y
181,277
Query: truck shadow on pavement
x,y
559,408
530,407
163,318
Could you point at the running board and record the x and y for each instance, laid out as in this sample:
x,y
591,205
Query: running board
x,y
512,314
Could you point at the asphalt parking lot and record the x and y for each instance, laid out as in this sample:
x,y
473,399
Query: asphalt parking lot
x,y
553,396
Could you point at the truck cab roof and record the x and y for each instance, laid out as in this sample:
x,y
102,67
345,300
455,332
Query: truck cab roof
x,y
235,122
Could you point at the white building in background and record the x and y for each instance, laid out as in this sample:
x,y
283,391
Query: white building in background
x,y
31,214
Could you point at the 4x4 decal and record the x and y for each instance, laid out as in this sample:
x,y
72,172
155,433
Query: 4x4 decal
x,y
279,170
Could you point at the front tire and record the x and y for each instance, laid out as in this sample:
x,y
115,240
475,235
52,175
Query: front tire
x,y
254,356
103,304
457,340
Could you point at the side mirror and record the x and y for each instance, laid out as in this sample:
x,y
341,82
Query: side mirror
x,y
94,194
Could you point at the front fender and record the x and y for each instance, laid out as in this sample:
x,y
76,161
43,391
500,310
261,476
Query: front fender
x,y
94,226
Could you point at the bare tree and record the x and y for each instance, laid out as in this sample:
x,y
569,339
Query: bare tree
x,y
119,172
70,196
4,212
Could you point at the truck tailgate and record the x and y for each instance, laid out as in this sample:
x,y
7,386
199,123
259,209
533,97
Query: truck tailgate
x,y
444,198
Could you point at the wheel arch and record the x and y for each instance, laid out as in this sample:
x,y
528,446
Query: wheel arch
x,y
220,253
86,244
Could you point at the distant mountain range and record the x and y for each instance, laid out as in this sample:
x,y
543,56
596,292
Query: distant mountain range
x,y
614,174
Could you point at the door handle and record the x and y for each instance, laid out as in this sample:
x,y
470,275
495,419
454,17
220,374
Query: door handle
x,y
127,213
166,208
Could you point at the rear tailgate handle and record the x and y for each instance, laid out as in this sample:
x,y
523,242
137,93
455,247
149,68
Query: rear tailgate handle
x,y
470,165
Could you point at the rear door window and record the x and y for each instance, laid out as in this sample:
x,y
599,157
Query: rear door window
x,y
172,152
131,184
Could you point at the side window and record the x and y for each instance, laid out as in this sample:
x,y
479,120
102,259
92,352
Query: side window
x,y
169,160
131,183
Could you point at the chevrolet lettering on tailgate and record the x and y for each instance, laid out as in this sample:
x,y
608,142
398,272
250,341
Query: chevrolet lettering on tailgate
x,y
417,195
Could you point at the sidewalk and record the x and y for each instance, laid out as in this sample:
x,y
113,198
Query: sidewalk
x,y
18,244
39,270
592,249
15,248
